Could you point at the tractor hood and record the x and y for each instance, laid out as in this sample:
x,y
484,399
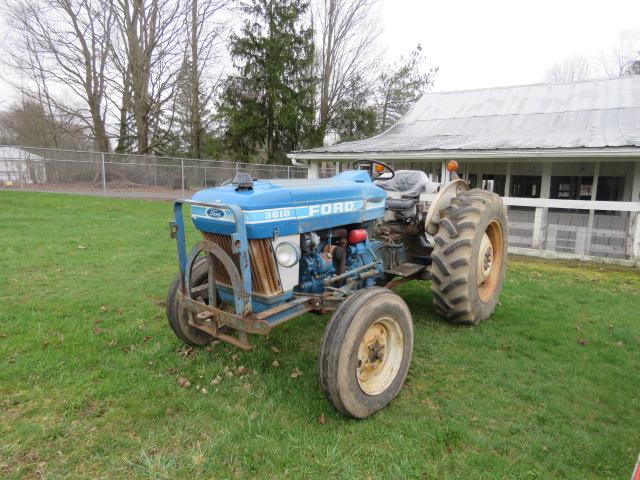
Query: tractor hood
x,y
287,207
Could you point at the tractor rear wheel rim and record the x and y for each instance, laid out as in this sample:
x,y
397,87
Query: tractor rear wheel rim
x,y
379,356
490,258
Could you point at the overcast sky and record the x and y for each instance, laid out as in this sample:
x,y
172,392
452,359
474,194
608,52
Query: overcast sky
x,y
486,43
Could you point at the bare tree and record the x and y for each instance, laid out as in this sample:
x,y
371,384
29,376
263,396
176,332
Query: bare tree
x,y
571,69
207,26
119,80
195,82
29,123
624,57
151,46
347,32
63,45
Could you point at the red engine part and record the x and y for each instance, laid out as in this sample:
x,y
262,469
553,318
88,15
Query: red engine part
x,y
357,236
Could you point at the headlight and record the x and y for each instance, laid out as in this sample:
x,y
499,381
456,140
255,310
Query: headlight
x,y
287,254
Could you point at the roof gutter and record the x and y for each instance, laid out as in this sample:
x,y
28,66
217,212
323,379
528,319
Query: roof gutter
x,y
468,154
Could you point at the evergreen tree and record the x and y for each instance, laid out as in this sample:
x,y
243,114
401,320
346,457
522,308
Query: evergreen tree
x,y
267,108
356,115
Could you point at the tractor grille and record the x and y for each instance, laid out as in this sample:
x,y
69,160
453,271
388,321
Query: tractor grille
x,y
265,279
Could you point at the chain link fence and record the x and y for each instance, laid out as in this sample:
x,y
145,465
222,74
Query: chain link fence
x,y
124,175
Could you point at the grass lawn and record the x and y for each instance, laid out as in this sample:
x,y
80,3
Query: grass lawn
x,y
89,370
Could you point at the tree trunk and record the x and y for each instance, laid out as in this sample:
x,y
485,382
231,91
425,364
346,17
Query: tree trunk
x,y
124,114
195,90
99,130
270,91
327,73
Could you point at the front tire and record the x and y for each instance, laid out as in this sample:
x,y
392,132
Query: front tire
x,y
179,317
366,351
469,257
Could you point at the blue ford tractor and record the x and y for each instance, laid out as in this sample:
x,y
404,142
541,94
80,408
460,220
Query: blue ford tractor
x,y
273,250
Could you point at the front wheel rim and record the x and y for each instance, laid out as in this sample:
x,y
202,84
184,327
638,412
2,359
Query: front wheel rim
x,y
379,356
490,259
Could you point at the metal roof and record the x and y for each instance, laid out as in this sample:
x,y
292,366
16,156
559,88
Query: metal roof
x,y
8,152
593,114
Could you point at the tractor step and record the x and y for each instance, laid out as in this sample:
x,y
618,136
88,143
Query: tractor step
x,y
406,269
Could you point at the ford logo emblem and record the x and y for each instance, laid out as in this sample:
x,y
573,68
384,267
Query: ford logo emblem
x,y
215,212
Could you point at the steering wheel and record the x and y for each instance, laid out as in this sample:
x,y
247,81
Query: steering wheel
x,y
372,164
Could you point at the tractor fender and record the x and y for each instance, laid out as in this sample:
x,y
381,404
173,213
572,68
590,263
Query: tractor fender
x,y
441,202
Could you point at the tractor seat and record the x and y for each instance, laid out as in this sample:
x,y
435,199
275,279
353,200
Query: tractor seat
x,y
410,184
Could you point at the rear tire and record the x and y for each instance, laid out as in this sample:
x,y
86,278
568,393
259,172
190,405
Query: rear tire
x,y
366,351
469,257
178,317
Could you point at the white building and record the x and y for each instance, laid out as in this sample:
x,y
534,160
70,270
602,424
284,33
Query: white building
x,y
19,166
566,158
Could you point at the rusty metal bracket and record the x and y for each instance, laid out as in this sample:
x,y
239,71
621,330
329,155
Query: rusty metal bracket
x,y
248,324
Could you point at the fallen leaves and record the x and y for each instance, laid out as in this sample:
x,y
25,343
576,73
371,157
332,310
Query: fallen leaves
x,y
3,335
183,382
186,352
275,364
296,373
322,419
217,380
242,370
98,330
583,342
275,349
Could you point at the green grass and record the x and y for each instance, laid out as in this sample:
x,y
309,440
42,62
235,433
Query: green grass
x,y
88,370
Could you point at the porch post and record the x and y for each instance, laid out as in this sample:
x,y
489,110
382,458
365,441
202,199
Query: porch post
x,y
594,188
633,235
507,181
312,172
540,219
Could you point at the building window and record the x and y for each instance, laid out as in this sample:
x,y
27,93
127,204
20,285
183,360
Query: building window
x,y
494,183
527,186
571,187
610,189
